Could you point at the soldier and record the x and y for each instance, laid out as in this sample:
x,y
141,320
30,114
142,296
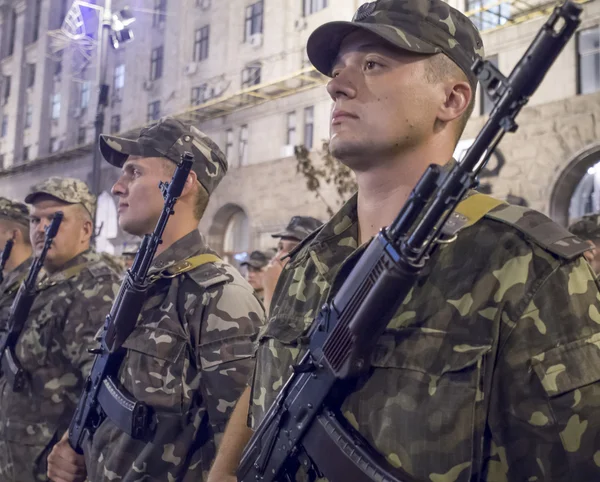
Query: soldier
x,y
588,228
14,224
190,355
255,264
490,370
297,229
53,348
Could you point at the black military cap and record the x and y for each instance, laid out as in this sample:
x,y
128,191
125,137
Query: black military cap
x,y
299,227
257,259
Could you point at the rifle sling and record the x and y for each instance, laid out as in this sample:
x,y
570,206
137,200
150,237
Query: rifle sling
x,y
130,415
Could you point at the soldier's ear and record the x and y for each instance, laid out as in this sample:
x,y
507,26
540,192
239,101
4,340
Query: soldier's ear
x,y
190,183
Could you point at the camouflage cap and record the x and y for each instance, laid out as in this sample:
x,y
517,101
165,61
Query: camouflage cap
x,y
14,211
586,227
420,26
170,138
257,259
299,227
66,189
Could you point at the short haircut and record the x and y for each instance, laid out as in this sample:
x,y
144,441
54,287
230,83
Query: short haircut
x,y
439,67
202,196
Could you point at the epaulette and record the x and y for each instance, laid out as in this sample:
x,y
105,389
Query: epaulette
x,y
541,230
209,275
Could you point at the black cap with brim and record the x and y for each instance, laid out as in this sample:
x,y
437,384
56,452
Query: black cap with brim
x,y
324,43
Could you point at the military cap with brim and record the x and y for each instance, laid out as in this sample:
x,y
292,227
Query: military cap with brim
x,y
587,226
14,211
298,228
419,26
65,189
170,138
257,259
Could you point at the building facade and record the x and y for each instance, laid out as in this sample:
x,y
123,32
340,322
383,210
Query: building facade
x,y
238,69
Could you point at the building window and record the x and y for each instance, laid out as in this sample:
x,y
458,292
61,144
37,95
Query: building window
x,y
115,124
290,139
254,20
588,55
156,63
251,75
198,95
486,104
236,236
81,135
153,111
229,144
55,106
30,72
243,152
36,20
311,6
309,126
118,81
54,144
29,115
201,43
13,32
58,67
203,4
160,13
490,13
1,161
84,99
25,153
4,130
6,90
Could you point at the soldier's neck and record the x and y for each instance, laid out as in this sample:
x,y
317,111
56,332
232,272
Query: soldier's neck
x,y
384,188
19,254
179,225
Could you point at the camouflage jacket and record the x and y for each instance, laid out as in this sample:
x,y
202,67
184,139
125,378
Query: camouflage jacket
x,y
9,288
64,319
495,322
190,358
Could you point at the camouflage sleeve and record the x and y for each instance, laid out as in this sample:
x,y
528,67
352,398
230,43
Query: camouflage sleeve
x,y
545,405
85,317
231,318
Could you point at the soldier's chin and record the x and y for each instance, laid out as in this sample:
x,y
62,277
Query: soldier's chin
x,y
131,226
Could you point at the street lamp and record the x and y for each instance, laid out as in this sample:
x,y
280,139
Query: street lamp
x,y
114,28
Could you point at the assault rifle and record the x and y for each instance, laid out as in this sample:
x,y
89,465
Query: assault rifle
x,y
5,255
19,311
304,424
102,395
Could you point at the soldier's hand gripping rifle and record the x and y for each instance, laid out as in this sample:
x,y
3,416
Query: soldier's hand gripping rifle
x,y
5,255
19,311
304,424
102,396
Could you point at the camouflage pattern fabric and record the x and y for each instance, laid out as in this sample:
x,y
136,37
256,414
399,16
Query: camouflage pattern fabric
x,y
66,189
420,26
170,138
516,329
14,211
190,363
9,288
63,322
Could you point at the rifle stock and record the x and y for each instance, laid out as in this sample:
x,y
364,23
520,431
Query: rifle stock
x,y
304,421
102,396
19,311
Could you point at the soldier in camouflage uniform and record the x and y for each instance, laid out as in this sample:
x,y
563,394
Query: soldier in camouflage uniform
x,y
255,264
490,370
296,230
14,224
68,311
588,228
190,356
